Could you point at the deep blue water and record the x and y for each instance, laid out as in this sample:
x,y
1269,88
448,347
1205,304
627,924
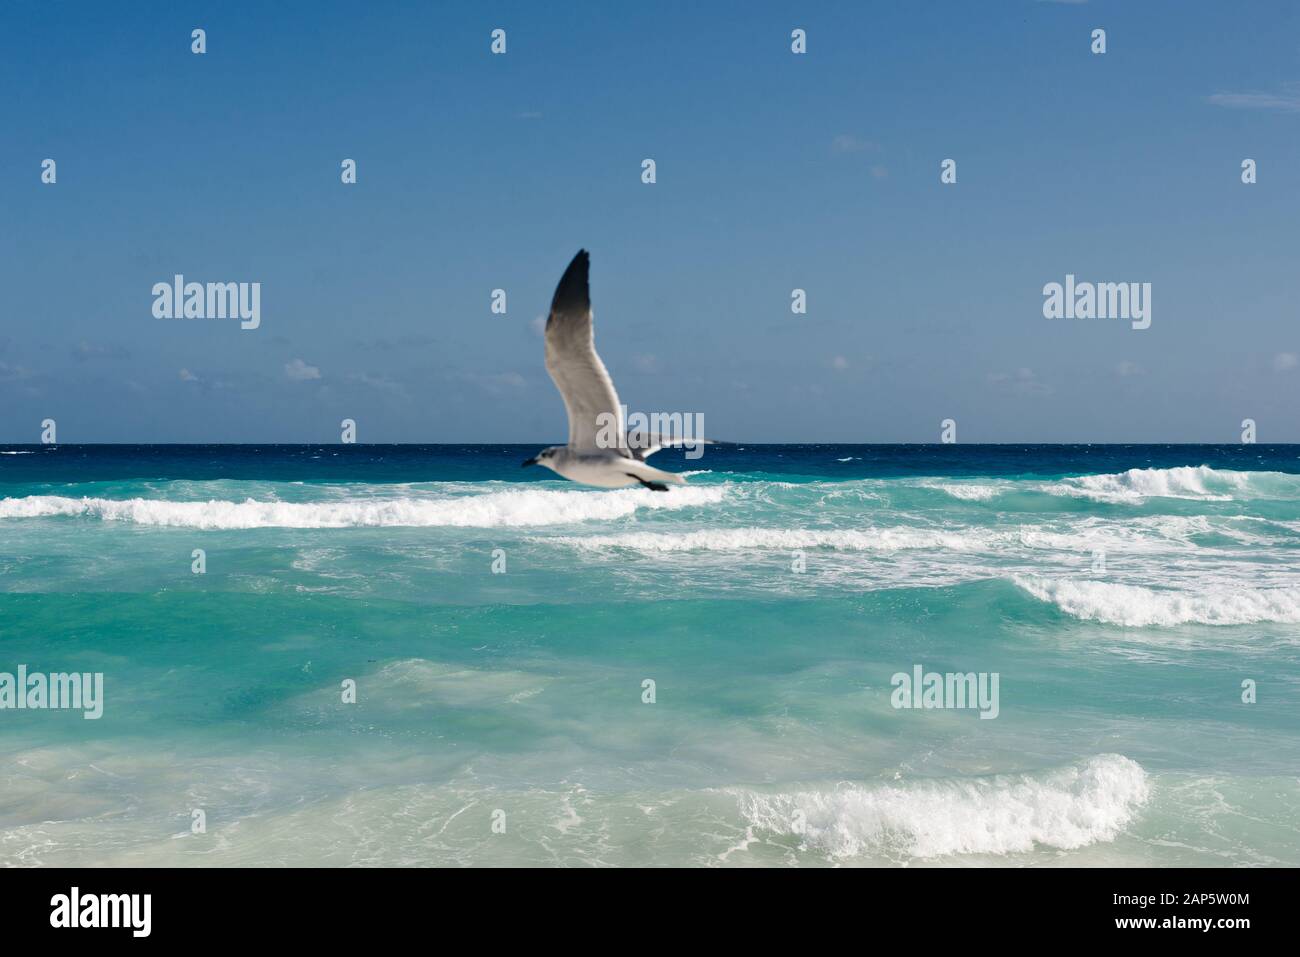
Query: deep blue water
x,y
472,463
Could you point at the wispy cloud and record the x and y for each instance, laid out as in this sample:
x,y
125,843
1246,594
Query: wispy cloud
x,y
1285,361
20,378
401,343
848,143
378,382
1021,382
87,350
497,383
12,373
1285,99
511,380
300,371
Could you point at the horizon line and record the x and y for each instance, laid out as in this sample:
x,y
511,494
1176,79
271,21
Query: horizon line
x,y
716,444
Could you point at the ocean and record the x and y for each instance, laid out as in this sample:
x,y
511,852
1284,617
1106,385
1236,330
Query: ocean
x,y
425,655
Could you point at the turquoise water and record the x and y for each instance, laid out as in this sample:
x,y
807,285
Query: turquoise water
x,y
771,602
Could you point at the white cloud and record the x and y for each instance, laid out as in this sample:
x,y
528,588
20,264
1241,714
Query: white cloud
x,y
1284,100
299,371
839,363
188,376
498,383
86,350
1021,382
20,377
381,383
539,325
1127,369
11,373
848,143
1285,361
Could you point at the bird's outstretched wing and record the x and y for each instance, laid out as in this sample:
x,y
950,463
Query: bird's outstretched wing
x,y
577,371
645,444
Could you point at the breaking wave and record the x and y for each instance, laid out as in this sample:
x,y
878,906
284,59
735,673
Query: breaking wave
x,y
1135,606
1066,808
883,539
515,508
1188,482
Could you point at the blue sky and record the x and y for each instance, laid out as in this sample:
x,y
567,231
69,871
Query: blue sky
x,y
775,171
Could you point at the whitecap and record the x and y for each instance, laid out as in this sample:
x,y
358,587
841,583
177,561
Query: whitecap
x,y
1070,807
1135,606
1200,483
513,508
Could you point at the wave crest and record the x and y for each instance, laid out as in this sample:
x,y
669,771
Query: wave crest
x,y
1134,486
1191,482
1135,606
515,508
1066,808
883,539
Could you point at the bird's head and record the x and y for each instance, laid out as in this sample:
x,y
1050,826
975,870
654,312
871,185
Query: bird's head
x,y
545,457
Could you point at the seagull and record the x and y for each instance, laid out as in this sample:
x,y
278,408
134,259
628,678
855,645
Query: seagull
x,y
600,451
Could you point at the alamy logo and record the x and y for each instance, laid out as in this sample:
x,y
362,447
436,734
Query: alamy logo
x,y
922,689
103,910
179,299
653,431
1102,300
58,691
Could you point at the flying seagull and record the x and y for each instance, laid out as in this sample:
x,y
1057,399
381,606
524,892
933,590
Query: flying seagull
x,y
600,451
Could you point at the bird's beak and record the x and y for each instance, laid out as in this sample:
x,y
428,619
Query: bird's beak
x,y
532,461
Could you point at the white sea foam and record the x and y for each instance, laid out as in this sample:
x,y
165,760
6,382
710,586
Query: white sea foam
x,y
418,683
1188,482
1136,607
883,539
1065,808
523,507
1077,537
1198,483
970,493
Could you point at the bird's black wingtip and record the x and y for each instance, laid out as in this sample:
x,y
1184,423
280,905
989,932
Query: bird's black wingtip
x,y
572,294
